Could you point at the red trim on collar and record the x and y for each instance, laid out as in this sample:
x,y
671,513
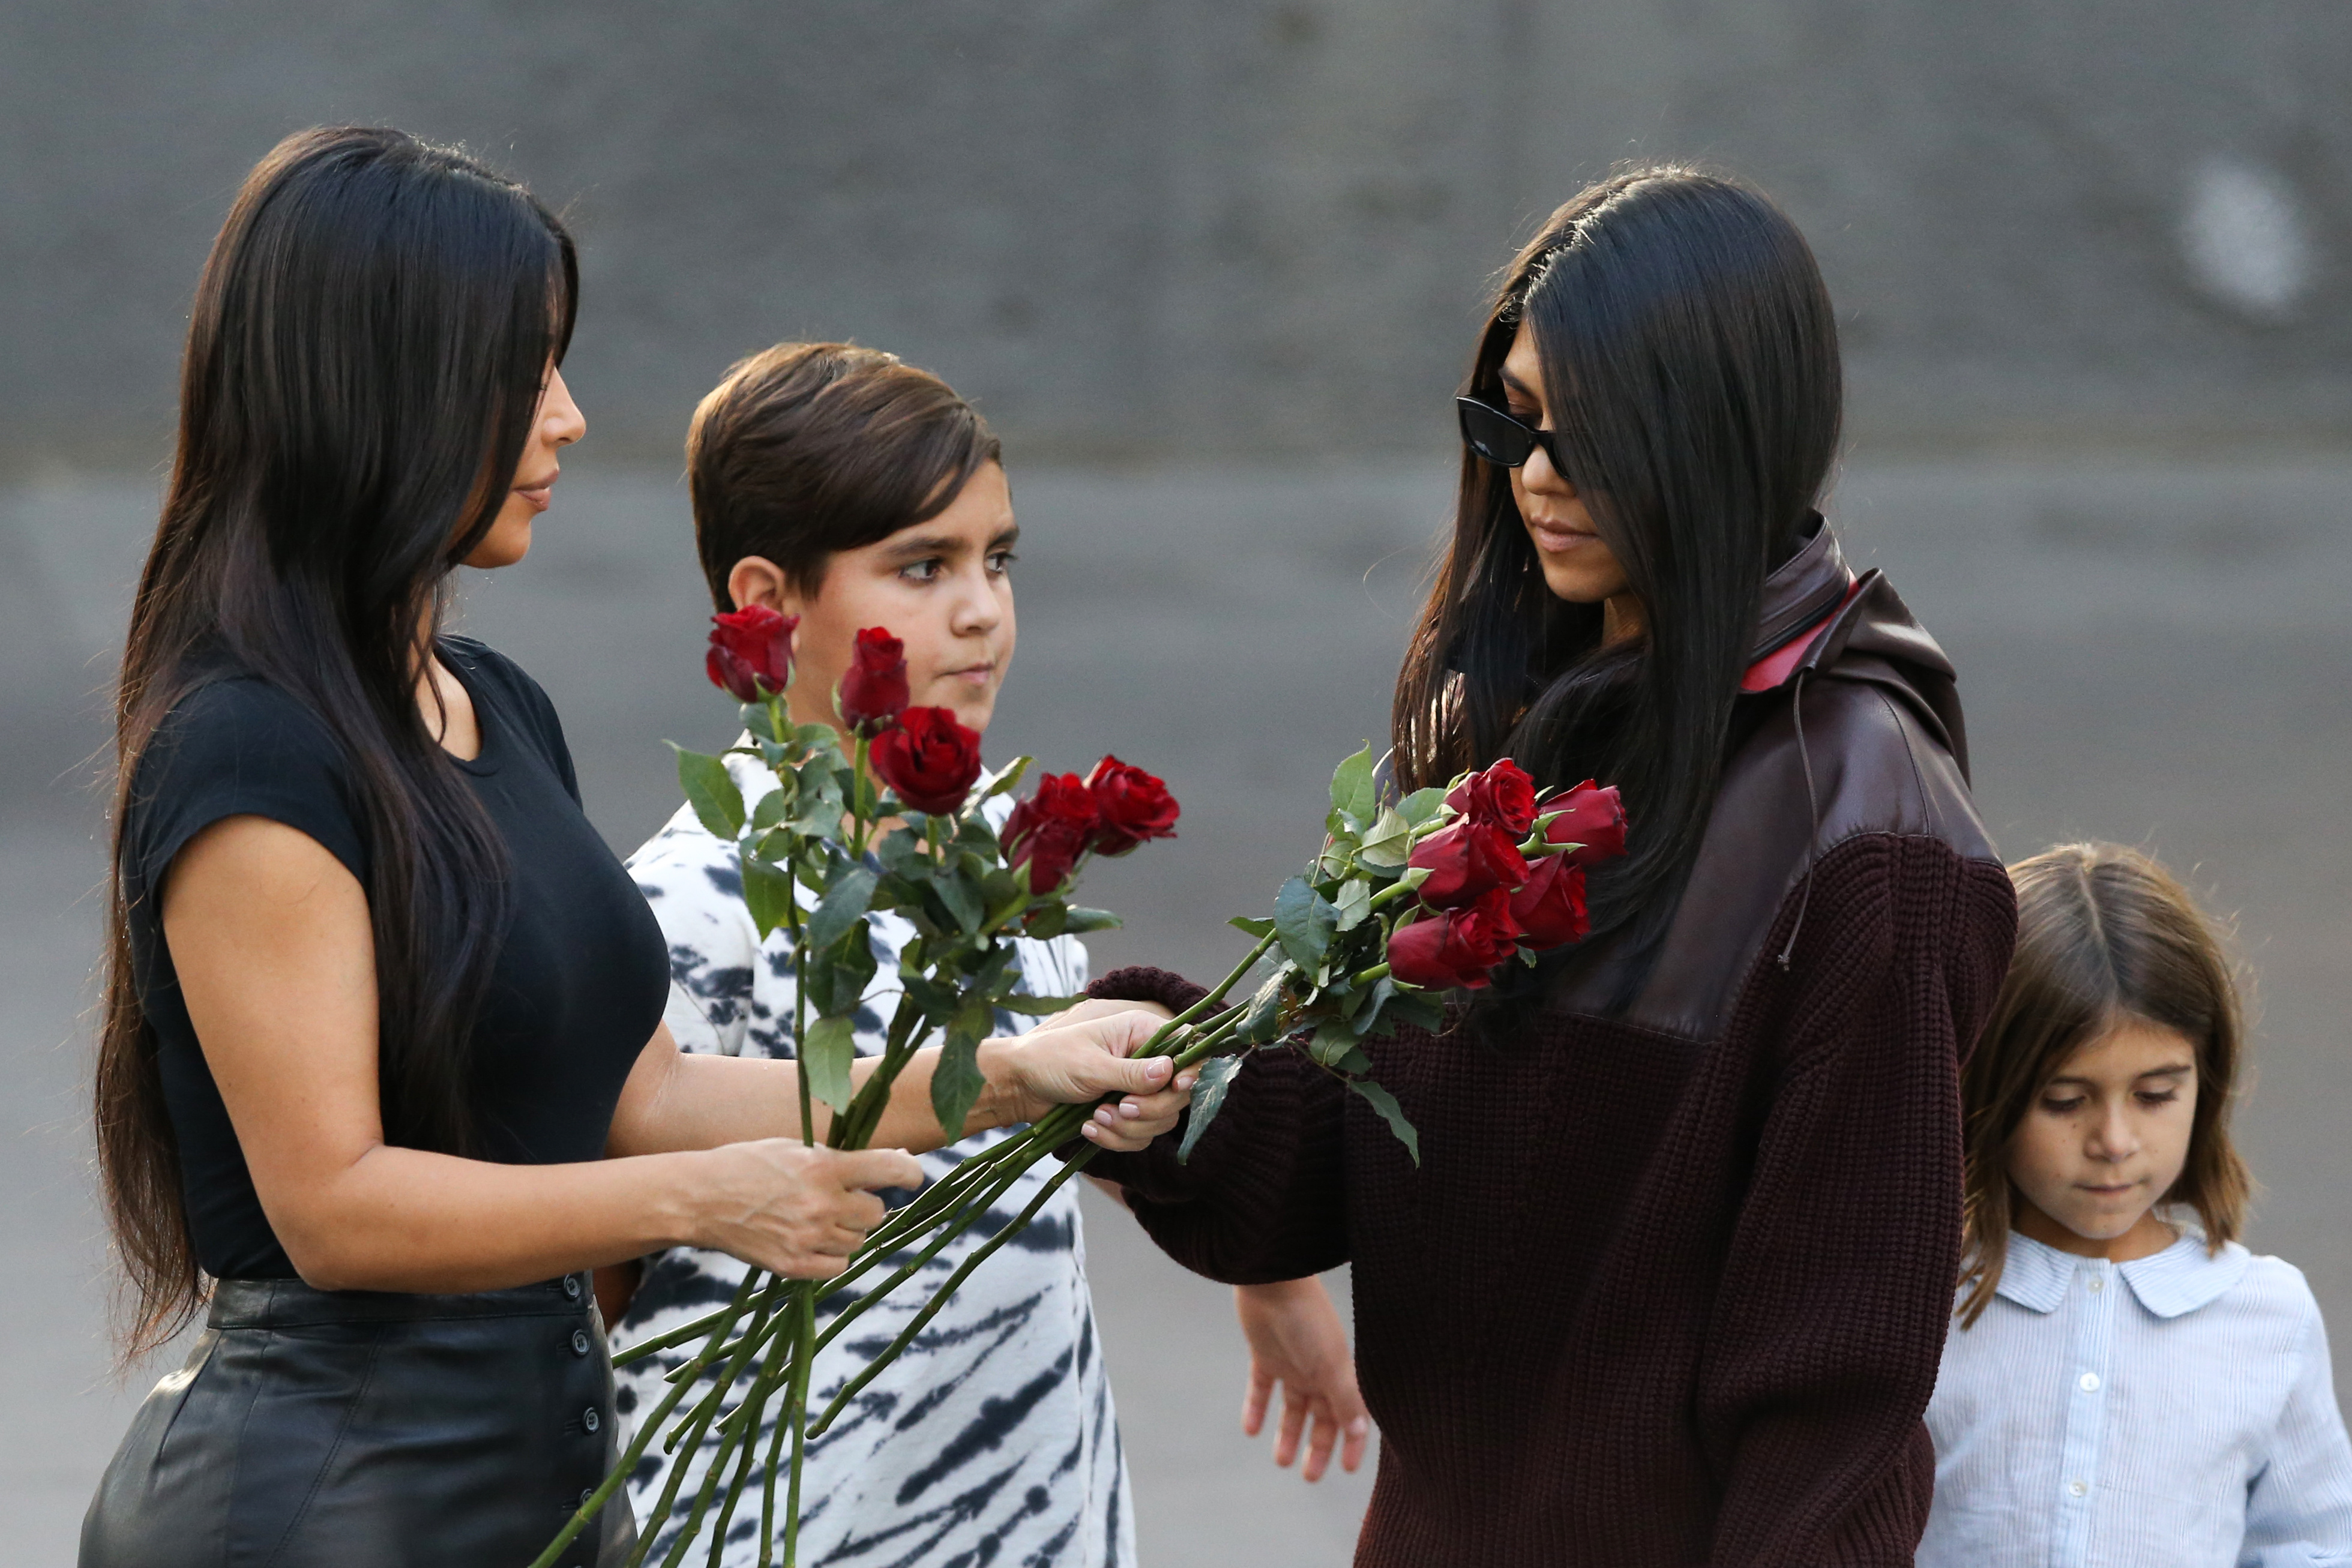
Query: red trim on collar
x,y
1782,662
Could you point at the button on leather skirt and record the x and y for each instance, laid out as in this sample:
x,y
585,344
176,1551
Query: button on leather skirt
x,y
370,1430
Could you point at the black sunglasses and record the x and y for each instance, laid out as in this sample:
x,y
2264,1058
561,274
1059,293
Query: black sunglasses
x,y
1498,438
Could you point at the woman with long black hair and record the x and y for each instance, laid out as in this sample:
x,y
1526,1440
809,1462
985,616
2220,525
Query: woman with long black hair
x,y
1670,1284
382,1073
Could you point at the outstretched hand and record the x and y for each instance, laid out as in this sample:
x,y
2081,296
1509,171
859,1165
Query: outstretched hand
x,y
1076,1062
1296,1340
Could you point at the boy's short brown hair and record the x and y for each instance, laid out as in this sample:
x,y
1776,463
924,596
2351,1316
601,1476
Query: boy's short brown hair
x,y
811,448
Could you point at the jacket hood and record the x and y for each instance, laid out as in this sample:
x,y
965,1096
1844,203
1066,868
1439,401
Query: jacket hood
x,y
1855,628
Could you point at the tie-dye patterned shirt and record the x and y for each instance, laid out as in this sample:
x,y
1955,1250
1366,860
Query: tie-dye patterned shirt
x,y
992,1439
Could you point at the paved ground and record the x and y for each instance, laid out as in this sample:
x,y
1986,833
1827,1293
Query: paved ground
x,y
2149,653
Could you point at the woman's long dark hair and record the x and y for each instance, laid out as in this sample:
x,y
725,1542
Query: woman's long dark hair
x,y
367,350
1690,365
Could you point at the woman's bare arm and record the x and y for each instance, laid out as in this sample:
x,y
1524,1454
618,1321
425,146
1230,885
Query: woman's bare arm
x,y
271,938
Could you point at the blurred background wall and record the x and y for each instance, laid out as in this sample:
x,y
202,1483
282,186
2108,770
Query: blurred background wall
x,y
1213,268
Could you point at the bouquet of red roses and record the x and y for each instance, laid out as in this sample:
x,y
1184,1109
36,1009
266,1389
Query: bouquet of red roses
x,y
897,823
1408,900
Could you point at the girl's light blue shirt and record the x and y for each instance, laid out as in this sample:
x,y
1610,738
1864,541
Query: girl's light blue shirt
x,y
2174,1410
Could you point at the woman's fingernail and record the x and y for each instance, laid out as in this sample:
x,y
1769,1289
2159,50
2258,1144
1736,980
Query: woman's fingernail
x,y
1158,1068
1358,1426
1087,1128
1188,1081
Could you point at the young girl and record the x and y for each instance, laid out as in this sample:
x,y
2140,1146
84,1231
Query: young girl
x,y
2124,1384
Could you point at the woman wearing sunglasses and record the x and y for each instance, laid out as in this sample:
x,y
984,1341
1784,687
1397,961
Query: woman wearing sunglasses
x,y
1670,1283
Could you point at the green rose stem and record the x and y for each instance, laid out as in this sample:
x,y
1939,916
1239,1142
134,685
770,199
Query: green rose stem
x,y
850,1390
796,1415
698,1424
1056,1128
1207,1045
1017,1155
596,1499
995,1170
754,1403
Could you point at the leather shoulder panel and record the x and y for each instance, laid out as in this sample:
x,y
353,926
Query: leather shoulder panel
x,y
1880,763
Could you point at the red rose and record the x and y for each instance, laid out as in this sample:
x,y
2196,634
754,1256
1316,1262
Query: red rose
x,y
1466,862
1131,806
751,652
1501,797
1550,908
929,758
1457,949
1051,830
874,692
1592,817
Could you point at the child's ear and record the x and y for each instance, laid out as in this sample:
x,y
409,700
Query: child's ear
x,y
756,580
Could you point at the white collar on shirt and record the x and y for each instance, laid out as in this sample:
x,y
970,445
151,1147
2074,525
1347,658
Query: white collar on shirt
x,y
2180,1279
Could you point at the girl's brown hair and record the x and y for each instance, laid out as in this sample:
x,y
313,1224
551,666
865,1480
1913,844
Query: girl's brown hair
x,y
2104,934
808,449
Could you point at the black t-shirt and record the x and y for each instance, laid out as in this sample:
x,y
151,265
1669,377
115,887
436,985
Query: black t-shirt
x,y
579,982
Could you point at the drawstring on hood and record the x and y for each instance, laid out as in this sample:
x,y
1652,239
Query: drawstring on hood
x,y
1812,813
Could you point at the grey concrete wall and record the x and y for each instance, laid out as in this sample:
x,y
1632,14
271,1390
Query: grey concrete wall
x,y
1162,229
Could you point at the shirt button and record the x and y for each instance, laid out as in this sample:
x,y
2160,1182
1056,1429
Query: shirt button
x,y
580,1341
590,1419
571,1286
2089,1382
2077,1488
2097,1283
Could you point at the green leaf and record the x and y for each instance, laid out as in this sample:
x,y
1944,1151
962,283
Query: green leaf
x,y
1046,919
836,977
958,897
1365,1010
1421,805
1333,1039
772,806
933,1000
1391,1113
1008,779
849,896
1352,793
1305,920
825,1056
767,894
1037,1007
1388,841
1355,1063
817,808
1263,1022
1337,857
1261,930
1355,902
1208,1099
1081,920
1423,1010
818,738
710,790
759,721
956,1082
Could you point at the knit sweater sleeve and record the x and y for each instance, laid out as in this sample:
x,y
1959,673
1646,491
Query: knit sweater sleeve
x,y
1837,1286
1261,1199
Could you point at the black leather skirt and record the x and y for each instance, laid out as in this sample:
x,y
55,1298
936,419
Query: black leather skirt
x,y
359,1429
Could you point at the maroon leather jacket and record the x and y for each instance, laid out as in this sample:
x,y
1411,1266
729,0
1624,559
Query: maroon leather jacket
x,y
1670,1285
